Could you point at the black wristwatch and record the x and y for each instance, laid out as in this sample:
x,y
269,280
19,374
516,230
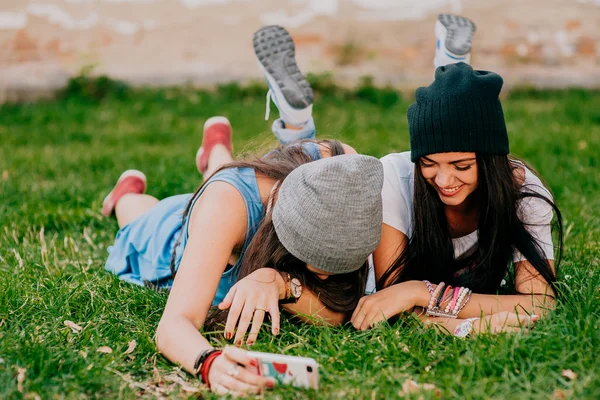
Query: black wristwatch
x,y
293,289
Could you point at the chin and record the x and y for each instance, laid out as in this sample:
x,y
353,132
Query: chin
x,y
452,201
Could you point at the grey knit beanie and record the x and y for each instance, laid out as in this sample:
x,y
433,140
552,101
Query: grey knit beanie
x,y
328,212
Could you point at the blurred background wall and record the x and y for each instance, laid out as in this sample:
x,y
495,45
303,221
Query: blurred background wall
x,y
547,43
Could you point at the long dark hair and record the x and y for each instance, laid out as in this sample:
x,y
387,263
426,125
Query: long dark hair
x,y
429,253
340,293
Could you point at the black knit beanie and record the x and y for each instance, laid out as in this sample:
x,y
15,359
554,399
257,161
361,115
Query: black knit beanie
x,y
460,111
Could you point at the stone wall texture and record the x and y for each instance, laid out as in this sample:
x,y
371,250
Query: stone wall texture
x,y
547,43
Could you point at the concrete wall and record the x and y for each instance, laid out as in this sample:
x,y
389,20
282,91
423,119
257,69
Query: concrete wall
x,y
164,42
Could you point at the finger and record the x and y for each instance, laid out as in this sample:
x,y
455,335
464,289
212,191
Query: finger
x,y
275,320
244,323
259,316
235,384
356,312
359,315
516,320
233,316
238,356
219,389
247,365
226,303
513,329
371,319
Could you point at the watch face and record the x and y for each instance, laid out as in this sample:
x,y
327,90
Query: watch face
x,y
463,329
296,287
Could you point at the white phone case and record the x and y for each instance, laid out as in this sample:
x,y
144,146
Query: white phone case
x,y
288,370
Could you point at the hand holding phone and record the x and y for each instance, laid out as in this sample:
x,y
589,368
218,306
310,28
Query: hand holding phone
x,y
288,370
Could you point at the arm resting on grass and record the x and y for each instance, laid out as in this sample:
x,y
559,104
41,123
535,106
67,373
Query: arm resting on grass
x,y
537,299
218,222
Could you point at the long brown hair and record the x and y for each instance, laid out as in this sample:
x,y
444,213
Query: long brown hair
x,y
340,293
429,253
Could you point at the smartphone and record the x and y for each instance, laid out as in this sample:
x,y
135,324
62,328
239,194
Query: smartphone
x,y
288,370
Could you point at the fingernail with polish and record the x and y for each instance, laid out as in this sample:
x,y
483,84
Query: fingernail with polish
x,y
254,363
239,342
270,384
250,343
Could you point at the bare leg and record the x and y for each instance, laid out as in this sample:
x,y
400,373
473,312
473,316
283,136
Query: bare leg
x,y
132,205
219,155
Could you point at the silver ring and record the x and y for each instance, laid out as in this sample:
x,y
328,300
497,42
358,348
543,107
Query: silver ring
x,y
233,371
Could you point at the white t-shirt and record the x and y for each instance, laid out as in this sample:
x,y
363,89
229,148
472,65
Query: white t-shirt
x,y
397,196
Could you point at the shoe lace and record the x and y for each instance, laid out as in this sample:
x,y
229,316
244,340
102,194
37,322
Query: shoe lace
x,y
268,110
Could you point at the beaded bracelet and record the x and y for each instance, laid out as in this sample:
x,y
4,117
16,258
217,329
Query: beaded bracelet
x,y
429,286
434,296
463,297
468,297
448,303
452,301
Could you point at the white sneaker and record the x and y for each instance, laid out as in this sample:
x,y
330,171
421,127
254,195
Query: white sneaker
x,y
454,35
290,91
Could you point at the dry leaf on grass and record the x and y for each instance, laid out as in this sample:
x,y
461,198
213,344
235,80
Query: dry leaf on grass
x,y
74,327
567,373
131,347
410,386
20,378
185,386
559,395
104,349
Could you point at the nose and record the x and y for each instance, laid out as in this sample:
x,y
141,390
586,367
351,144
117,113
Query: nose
x,y
444,179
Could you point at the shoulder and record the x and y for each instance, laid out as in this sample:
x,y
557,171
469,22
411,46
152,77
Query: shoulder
x,y
533,210
397,191
220,205
398,171
399,165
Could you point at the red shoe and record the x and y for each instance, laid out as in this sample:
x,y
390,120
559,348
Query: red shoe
x,y
130,181
217,130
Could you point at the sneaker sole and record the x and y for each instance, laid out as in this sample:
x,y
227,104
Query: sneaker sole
x,y
276,52
460,33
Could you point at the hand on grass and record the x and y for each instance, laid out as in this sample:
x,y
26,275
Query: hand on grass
x,y
233,373
249,300
384,304
504,322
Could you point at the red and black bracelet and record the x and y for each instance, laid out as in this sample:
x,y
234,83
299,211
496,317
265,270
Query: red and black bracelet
x,y
201,361
205,368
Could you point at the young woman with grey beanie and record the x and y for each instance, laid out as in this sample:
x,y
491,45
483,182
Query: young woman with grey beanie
x,y
457,212
292,229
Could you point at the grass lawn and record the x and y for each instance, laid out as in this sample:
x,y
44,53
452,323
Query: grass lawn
x,y
59,158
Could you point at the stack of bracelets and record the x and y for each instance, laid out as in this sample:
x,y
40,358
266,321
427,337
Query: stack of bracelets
x,y
203,363
446,301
